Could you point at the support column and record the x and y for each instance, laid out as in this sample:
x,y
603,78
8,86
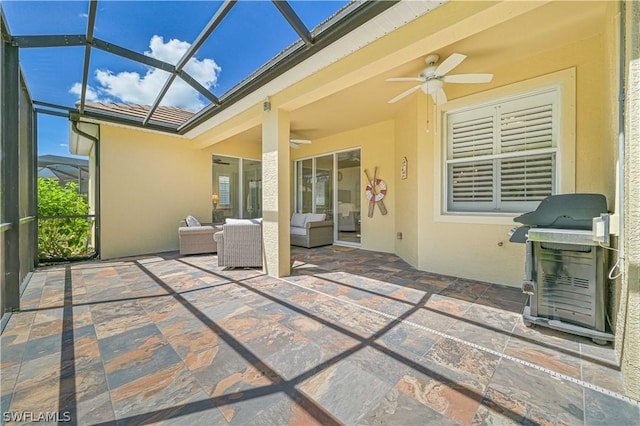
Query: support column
x,y
276,187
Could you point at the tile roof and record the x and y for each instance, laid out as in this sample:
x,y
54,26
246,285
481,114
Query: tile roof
x,y
169,115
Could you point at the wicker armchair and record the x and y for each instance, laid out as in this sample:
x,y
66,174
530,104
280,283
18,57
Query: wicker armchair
x,y
196,238
240,243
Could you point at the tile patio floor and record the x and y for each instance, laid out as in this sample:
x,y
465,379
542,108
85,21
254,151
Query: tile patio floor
x,y
352,337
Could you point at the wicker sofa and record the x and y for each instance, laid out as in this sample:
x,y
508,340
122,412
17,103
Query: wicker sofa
x,y
195,238
310,230
240,243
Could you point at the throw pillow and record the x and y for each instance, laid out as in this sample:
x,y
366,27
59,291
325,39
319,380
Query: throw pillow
x,y
298,220
192,221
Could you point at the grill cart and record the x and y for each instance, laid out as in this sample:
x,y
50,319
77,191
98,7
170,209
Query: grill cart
x,y
566,264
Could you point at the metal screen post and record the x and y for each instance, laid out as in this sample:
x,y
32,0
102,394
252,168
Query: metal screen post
x,y
10,175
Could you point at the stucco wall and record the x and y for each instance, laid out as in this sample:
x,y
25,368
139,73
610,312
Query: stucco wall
x,y
481,251
628,329
406,195
148,182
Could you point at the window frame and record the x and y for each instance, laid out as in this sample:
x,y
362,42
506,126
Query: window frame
x,y
565,82
237,197
495,155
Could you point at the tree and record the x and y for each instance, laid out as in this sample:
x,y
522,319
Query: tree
x,y
62,237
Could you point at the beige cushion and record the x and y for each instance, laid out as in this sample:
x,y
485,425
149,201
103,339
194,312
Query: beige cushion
x,y
243,221
298,219
296,230
316,217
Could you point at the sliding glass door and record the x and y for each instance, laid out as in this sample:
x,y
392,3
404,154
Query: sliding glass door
x,y
330,184
236,189
348,194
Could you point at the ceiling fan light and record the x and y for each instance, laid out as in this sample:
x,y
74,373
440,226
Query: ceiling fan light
x,y
432,86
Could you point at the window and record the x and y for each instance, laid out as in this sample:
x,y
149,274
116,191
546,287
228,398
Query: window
x,y
224,186
501,156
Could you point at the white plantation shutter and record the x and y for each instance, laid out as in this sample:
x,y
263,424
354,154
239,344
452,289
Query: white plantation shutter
x,y
472,138
501,156
527,178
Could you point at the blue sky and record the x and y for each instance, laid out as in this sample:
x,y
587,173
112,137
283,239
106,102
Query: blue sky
x,y
251,34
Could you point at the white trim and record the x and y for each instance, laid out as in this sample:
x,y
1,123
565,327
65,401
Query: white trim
x,y
565,80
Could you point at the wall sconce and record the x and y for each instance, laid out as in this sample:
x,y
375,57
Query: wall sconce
x,y
214,199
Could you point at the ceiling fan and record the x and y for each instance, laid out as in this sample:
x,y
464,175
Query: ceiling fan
x,y
220,162
295,143
433,77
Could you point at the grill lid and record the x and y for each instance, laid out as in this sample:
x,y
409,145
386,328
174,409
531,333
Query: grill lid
x,y
569,211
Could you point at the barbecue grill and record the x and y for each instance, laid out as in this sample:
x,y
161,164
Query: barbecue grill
x,y
566,264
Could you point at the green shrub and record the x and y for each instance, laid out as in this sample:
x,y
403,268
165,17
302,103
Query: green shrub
x,y
64,237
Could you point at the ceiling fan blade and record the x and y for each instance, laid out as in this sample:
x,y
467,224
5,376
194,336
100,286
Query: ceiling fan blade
x,y
468,78
439,97
450,63
404,79
405,93
294,145
296,141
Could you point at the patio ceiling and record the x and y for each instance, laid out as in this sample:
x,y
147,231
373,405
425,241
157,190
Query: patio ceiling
x,y
365,102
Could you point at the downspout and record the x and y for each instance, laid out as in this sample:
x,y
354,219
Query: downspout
x,y
621,139
96,144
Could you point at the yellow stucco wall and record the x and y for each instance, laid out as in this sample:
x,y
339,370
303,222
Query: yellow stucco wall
x,y
148,182
482,251
407,133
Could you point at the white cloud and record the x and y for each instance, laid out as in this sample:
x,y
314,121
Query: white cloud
x,y
91,94
132,87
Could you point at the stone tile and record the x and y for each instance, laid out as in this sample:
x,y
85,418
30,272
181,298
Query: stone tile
x,y
447,304
227,367
492,317
11,355
42,397
451,379
240,347
274,338
164,390
601,409
292,411
453,397
389,366
466,290
345,390
136,354
95,410
479,334
42,346
295,359
522,391
111,319
15,335
399,408
409,338
544,356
